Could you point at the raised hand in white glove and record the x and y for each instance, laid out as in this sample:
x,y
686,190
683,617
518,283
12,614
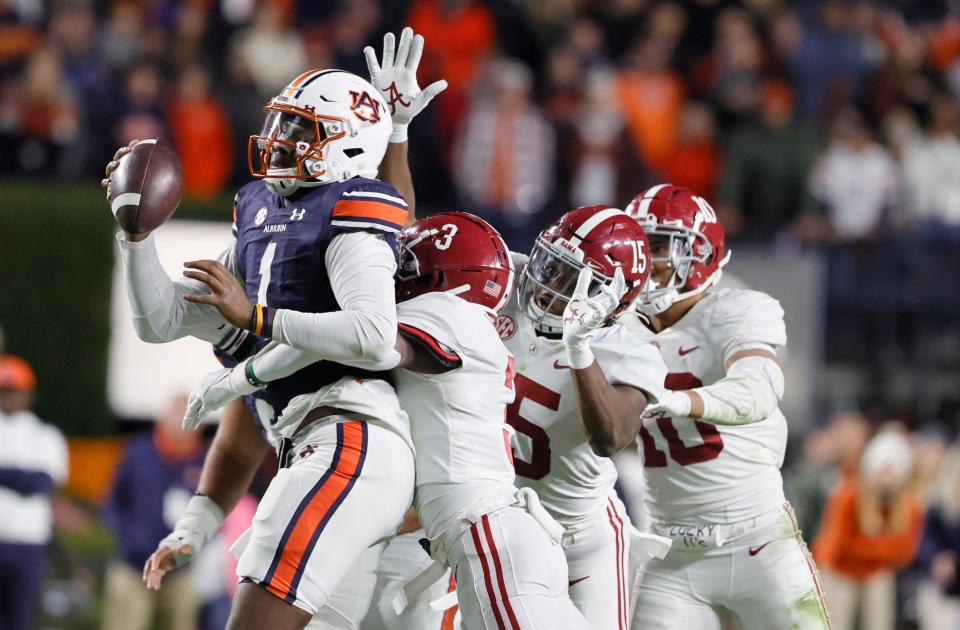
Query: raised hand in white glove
x,y
215,390
584,315
674,404
395,77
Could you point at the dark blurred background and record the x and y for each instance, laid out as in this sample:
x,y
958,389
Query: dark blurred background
x,y
825,134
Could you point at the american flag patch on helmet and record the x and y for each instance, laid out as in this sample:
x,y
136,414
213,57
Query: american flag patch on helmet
x,y
492,289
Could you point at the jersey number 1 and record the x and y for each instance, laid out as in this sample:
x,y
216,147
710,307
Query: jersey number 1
x,y
266,261
680,452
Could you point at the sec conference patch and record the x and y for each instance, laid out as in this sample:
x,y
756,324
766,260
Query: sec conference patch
x,y
506,327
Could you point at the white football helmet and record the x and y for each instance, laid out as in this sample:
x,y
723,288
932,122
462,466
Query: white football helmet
x,y
325,126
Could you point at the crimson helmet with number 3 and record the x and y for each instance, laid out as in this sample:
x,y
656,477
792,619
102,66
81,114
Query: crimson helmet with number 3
x,y
600,237
458,253
325,126
694,244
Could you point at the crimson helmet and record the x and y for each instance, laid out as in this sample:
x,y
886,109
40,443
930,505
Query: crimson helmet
x,y
695,244
599,236
458,253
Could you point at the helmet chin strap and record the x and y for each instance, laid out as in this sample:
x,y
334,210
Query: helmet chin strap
x,y
659,304
668,298
278,182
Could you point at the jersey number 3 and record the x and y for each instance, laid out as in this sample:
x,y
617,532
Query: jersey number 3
x,y
680,452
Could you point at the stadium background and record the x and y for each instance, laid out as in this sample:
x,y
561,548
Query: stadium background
x,y
824,133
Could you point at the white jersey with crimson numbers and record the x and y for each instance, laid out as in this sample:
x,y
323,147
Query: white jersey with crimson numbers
x,y
699,472
457,417
552,453
505,551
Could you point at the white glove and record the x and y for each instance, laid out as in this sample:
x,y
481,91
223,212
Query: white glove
x,y
396,80
215,390
198,523
584,315
673,404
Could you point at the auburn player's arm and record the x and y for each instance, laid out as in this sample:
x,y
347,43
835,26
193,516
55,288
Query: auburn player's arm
x,y
611,413
159,311
416,350
395,170
360,266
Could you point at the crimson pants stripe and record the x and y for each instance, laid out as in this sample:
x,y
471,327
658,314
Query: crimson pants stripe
x,y
617,524
474,532
499,568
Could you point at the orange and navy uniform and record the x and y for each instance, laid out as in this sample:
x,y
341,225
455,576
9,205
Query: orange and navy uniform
x,y
281,243
315,510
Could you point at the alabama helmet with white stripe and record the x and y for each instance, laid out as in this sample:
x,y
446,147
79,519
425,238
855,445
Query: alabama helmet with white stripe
x,y
694,244
599,236
325,126
458,253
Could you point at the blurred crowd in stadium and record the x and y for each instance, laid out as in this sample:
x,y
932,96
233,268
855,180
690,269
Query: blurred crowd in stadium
x,y
824,119
802,122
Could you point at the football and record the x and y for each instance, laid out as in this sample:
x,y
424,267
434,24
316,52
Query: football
x,y
146,187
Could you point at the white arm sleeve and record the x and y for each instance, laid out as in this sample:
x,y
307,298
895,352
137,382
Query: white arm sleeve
x,y
750,392
160,314
277,361
360,266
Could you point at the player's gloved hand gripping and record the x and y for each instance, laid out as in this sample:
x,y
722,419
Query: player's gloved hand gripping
x,y
216,390
395,77
584,315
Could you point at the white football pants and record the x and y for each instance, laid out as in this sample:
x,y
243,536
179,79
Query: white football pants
x,y
760,574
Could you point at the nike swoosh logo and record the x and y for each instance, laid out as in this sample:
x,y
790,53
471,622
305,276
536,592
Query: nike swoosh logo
x,y
558,366
577,581
755,550
686,351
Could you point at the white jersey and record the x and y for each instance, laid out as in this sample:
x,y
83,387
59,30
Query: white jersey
x,y
699,472
457,418
552,451
30,445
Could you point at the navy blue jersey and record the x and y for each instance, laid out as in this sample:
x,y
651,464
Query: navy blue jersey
x,y
280,253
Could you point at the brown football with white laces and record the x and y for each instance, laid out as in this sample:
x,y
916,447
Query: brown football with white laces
x,y
146,187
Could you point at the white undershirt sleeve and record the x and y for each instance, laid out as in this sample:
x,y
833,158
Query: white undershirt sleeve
x,y
160,314
750,392
361,267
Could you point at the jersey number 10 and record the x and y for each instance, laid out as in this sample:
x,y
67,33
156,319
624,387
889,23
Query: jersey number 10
x,y
684,455
539,465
